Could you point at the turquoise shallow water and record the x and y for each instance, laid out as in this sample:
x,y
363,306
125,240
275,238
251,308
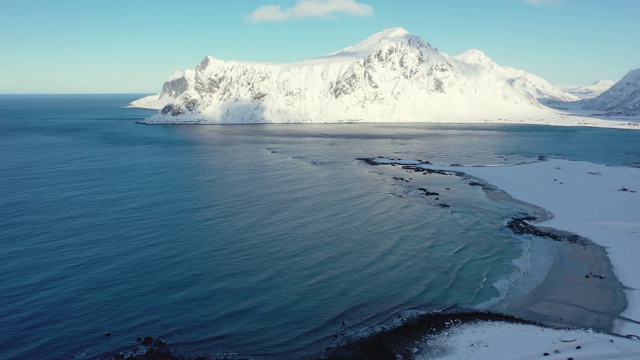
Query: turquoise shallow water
x,y
261,239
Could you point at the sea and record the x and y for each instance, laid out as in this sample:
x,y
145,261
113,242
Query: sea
x,y
270,241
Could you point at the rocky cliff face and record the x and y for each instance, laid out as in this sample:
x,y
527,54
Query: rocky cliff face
x,y
391,76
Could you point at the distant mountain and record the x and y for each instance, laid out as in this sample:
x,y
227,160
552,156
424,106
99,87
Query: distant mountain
x,y
622,99
521,80
392,76
587,91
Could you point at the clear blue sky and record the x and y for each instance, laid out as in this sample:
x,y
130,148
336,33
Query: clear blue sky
x,y
77,46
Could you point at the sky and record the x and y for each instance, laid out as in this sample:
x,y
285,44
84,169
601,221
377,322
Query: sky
x,y
133,46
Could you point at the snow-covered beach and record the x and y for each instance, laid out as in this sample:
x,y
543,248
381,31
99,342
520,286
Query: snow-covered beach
x,y
601,203
499,340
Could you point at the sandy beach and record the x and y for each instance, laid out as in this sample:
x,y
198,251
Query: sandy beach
x,y
567,297
592,284
597,202
581,288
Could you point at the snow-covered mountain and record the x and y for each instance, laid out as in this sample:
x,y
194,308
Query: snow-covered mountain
x,y
521,80
587,91
622,99
391,76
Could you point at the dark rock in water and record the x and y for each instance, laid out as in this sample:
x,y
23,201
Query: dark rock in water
x,y
483,186
520,226
147,341
444,205
159,342
428,193
400,342
414,168
545,354
542,158
595,276
402,179
369,161
573,238
394,162
475,183
107,334
163,353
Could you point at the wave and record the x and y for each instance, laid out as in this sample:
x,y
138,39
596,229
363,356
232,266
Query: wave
x,y
524,277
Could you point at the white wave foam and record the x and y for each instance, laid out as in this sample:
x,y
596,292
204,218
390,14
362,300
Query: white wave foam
x,y
524,278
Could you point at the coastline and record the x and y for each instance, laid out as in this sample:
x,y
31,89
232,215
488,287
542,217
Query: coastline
x,y
558,119
595,201
579,288
593,279
566,296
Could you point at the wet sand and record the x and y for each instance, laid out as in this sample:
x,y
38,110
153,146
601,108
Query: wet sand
x,y
567,297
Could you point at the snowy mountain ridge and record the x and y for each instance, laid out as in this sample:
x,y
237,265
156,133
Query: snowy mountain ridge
x,y
588,91
521,80
392,76
623,98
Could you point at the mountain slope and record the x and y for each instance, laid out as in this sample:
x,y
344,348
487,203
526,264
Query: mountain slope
x,y
391,76
521,80
587,91
622,99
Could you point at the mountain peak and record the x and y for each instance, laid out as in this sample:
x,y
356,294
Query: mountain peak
x,y
386,37
475,56
208,61
633,74
623,98
393,32
521,80
390,76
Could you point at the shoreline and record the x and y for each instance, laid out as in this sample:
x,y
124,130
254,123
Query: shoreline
x,y
564,296
561,120
597,202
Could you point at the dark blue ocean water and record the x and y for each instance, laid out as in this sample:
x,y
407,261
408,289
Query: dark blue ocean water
x,y
264,239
